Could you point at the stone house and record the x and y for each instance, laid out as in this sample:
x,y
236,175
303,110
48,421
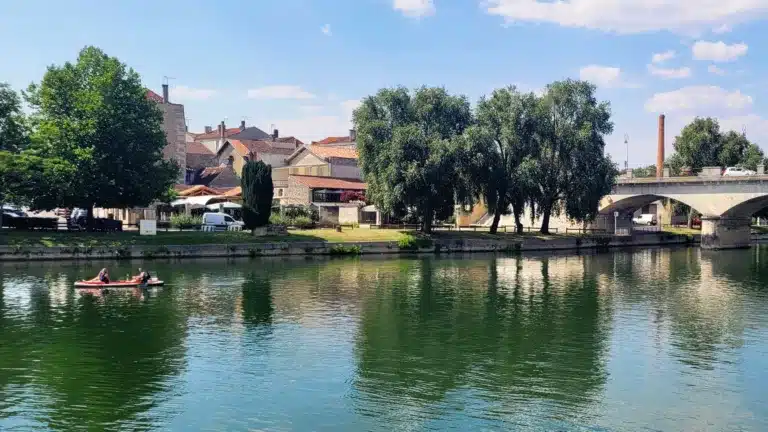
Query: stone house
x,y
235,153
175,128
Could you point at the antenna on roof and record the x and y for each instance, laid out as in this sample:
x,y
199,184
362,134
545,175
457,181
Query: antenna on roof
x,y
166,79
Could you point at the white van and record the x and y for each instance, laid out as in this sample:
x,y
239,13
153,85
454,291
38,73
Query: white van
x,y
220,219
644,219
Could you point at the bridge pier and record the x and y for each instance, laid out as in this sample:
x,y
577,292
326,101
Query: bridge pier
x,y
725,232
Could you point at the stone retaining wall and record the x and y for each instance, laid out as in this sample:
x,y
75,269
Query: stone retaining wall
x,y
319,248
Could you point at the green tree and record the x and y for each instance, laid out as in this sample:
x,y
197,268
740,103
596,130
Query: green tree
x,y
95,115
570,171
648,171
257,187
503,138
699,144
25,177
13,129
409,150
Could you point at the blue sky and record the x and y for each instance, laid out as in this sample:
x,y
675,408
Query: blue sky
x,y
302,65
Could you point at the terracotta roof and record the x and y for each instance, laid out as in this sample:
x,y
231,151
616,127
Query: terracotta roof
x,y
316,182
246,147
234,192
198,148
333,152
215,134
334,140
154,96
195,190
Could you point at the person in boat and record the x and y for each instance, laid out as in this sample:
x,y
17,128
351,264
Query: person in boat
x,y
103,276
143,277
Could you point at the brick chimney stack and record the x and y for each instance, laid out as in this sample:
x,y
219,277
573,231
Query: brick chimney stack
x,y
660,149
242,125
165,93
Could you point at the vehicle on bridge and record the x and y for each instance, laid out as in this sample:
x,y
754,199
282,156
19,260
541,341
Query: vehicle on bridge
x,y
738,171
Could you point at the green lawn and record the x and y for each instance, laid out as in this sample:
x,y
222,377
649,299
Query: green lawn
x,y
681,230
82,239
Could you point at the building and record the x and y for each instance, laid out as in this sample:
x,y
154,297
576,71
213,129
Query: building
x,y
325,176
220,177
235,153
214,140
198,158
175,128
342,141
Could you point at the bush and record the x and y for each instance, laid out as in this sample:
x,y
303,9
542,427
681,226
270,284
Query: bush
x,y
277,219
413,243
295,211
302,222
185,221
345,250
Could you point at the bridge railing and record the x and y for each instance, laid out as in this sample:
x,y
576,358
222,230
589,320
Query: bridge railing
x,y
691,179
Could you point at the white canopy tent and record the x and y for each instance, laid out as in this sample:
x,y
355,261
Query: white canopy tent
x,y
224,205
203,201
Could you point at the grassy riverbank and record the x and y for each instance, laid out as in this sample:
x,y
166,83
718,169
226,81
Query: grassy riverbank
x,y
83,239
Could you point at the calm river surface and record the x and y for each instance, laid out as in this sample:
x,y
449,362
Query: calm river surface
x,y
656,339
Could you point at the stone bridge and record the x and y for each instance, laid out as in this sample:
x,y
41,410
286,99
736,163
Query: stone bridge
x,y
726,203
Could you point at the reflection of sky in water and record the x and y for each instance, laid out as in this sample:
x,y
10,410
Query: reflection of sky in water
x,y
653,339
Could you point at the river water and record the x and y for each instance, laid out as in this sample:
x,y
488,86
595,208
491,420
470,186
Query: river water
x,y
654,339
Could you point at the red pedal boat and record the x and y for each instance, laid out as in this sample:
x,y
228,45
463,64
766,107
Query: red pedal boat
x,y
118,284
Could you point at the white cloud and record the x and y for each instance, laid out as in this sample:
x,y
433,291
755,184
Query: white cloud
x,y
184,93
415,8
280,92
311,108
725,28
669,73
326,29
698,99
662,57
718,51
715,70
603,76
630,16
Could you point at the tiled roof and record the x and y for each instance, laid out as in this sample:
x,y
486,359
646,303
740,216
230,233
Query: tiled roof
x,y
215,134
234,192
246,147
195,190
198,148
333,140
291,139
315,182
333,152
154,96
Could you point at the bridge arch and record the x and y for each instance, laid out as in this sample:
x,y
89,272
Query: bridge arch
x,y
747,208
623,204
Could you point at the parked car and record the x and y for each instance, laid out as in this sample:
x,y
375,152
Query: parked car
x,y
738,171
644,219
220,219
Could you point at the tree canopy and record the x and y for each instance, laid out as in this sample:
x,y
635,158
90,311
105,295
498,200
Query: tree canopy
x,y
409,150
257,190
497,145
701,143
570,171
94,114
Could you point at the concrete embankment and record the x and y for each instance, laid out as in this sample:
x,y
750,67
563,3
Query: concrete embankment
x,y
460,245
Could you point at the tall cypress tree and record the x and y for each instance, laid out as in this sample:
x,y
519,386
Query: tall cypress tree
x,y
256,184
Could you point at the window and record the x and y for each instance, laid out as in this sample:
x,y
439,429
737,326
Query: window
x,y
279,192
230,160
228,219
